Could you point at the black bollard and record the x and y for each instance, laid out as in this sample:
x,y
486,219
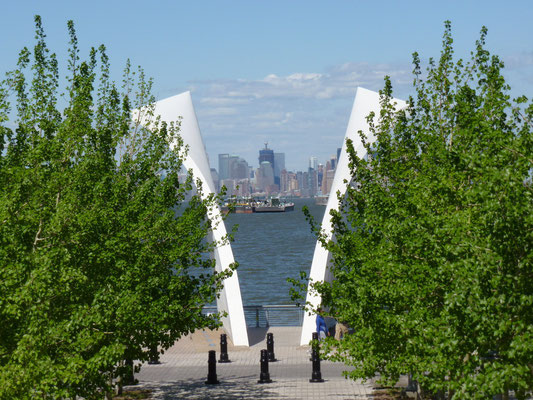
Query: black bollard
x,y
270,347
154,355
223,349
264,376
212,369
412,385
313,344
316,376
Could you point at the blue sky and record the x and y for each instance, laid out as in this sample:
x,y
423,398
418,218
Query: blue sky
x,y
278,71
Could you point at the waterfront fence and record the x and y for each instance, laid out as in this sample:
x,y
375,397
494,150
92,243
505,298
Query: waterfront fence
x,y
268,315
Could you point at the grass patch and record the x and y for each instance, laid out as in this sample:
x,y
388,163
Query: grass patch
x,y
134,395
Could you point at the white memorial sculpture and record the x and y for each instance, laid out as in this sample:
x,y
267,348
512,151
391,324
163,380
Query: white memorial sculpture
x,y
366,101
230,301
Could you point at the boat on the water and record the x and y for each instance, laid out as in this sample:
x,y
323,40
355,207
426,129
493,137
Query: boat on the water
x,y
272,205
238,206
250,205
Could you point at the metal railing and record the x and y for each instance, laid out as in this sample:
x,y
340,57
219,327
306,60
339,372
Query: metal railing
x,y
268,315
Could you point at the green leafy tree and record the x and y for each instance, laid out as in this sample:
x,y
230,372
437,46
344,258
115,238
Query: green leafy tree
x,y
431,257
101,257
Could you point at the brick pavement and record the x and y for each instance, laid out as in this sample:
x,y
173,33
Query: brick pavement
x,y
183,370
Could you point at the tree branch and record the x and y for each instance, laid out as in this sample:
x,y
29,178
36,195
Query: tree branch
x,y
37,234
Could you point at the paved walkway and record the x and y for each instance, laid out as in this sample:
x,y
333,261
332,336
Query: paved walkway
x,y
183,370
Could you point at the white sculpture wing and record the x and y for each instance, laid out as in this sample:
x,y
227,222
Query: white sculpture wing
x,y
365,102
230,301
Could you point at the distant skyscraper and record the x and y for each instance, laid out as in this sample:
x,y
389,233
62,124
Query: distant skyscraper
x,y
305,190
333,161
265,176
313,176
223,166
232,160
300,179
330,175
284,181
279,165
266,154
313,163
230,186
239,169
320,175
313,182
324,182
265,172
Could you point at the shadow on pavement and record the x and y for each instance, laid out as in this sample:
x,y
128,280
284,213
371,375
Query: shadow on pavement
x,y
198,390
256,335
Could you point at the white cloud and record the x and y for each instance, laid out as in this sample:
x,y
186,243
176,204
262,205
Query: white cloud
x,y
220,111
519,60
222,101
302,114
518,73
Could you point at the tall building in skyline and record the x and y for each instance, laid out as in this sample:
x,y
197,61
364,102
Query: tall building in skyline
x,y
238,168
333,161
330,175
265,173
324,183
320,175
284,181
223,166
279,165
233,171
265,177
266,154
312,176
313,163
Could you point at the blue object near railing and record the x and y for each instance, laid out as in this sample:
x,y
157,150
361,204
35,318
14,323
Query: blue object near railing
x,y
268,315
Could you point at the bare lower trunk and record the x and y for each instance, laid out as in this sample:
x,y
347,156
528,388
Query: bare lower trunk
x,y
118,390
505,395
108,393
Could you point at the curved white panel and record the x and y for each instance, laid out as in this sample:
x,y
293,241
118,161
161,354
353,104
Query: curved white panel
x,y
365,102
230,301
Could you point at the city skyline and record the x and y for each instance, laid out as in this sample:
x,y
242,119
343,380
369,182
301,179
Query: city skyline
x,y
271,177
304,167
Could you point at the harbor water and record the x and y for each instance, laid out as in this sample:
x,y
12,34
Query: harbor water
x,y
271,247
